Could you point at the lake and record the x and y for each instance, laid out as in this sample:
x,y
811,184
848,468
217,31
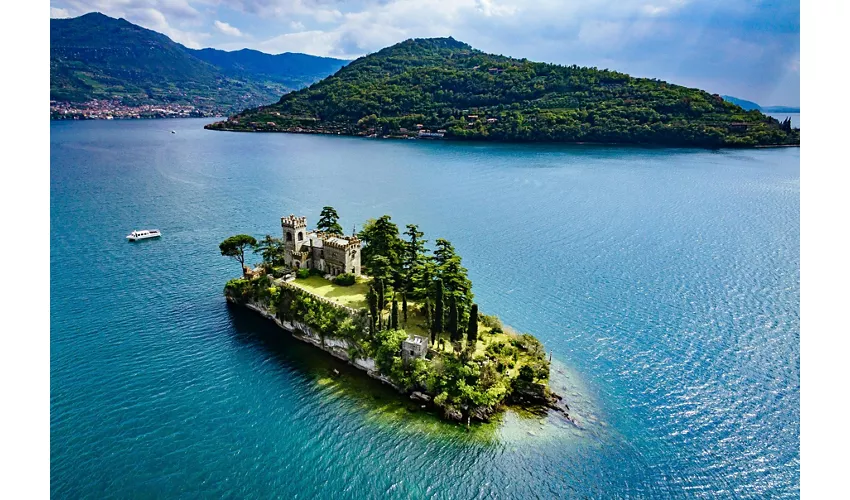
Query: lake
x,y
795,118
665,282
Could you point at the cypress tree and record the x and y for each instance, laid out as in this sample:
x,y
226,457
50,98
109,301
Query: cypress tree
x,y
472,329
437,323
394,316
381,304
452,322
461,324
428,320
404,306
373,308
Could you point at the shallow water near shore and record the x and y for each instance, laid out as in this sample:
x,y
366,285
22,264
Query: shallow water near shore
x,y
666,283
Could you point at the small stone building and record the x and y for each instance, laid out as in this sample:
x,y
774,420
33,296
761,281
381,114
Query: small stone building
x,y
414,347
332,254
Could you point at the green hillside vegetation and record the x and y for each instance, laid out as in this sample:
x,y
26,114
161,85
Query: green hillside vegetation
x,y
98,57
444,84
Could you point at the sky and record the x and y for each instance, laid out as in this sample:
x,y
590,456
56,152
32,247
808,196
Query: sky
x,y
744,48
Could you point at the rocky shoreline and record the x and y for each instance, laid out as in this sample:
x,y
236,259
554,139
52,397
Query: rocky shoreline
x,y
305,130
530,396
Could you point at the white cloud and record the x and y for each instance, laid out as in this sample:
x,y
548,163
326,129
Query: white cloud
x,y
227,29
489,8
687,41
173,18
59,13
318,43
175,9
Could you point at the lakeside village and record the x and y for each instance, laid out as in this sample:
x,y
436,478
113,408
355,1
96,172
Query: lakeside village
x,y
387,305
103,109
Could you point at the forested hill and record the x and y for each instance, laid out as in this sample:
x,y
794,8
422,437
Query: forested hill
x,y
446,85
290,68
94,56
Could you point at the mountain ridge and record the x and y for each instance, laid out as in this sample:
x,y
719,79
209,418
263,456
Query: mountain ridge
x,y
95,56
444,85
750,105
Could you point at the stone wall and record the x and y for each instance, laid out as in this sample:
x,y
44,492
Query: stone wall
x,y
335,346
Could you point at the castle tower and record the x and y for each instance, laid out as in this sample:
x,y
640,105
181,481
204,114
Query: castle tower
x,y
294,237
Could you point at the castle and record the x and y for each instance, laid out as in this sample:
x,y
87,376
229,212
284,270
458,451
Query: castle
x,y
332,254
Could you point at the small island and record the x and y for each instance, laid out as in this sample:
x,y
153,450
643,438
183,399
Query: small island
x,y
384,303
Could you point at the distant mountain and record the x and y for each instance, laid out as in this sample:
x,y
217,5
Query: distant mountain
x,y
99,57
291,69
750,105
747,105
780,109
440,87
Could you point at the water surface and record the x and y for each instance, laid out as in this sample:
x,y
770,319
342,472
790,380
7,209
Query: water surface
x,y
666,283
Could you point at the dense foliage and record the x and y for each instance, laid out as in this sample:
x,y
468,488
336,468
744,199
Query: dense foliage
x,y
471,366
443,84
98,57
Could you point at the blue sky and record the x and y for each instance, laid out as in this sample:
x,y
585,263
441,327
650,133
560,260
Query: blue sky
x,y
748,49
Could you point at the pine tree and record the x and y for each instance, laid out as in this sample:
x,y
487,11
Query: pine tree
x,y
472,328
444,252
329,221
394,316
380,239
414,255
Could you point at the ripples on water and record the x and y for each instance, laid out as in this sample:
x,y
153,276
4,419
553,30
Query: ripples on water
x,y
665,282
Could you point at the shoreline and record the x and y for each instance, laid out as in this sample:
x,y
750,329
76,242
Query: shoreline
x,y
335,348
490,141
316,343
126,118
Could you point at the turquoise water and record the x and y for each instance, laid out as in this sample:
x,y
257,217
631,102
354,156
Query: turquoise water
x,y
666,283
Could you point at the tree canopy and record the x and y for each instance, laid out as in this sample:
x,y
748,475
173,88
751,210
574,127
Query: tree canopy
x,y
271,249
467,379
234,247
441,84
329,221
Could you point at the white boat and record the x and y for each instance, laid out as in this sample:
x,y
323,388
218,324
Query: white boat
x,y
144,234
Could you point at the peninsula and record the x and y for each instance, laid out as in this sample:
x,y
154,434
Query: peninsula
x,y
411,322
440,88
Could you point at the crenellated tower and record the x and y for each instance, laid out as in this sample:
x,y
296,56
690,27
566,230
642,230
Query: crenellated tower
x,y
294,235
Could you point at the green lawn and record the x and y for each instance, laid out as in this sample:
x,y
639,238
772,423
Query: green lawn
x,y
355,296
351,296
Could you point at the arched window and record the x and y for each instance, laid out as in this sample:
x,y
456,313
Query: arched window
x,y
300,236
288,236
